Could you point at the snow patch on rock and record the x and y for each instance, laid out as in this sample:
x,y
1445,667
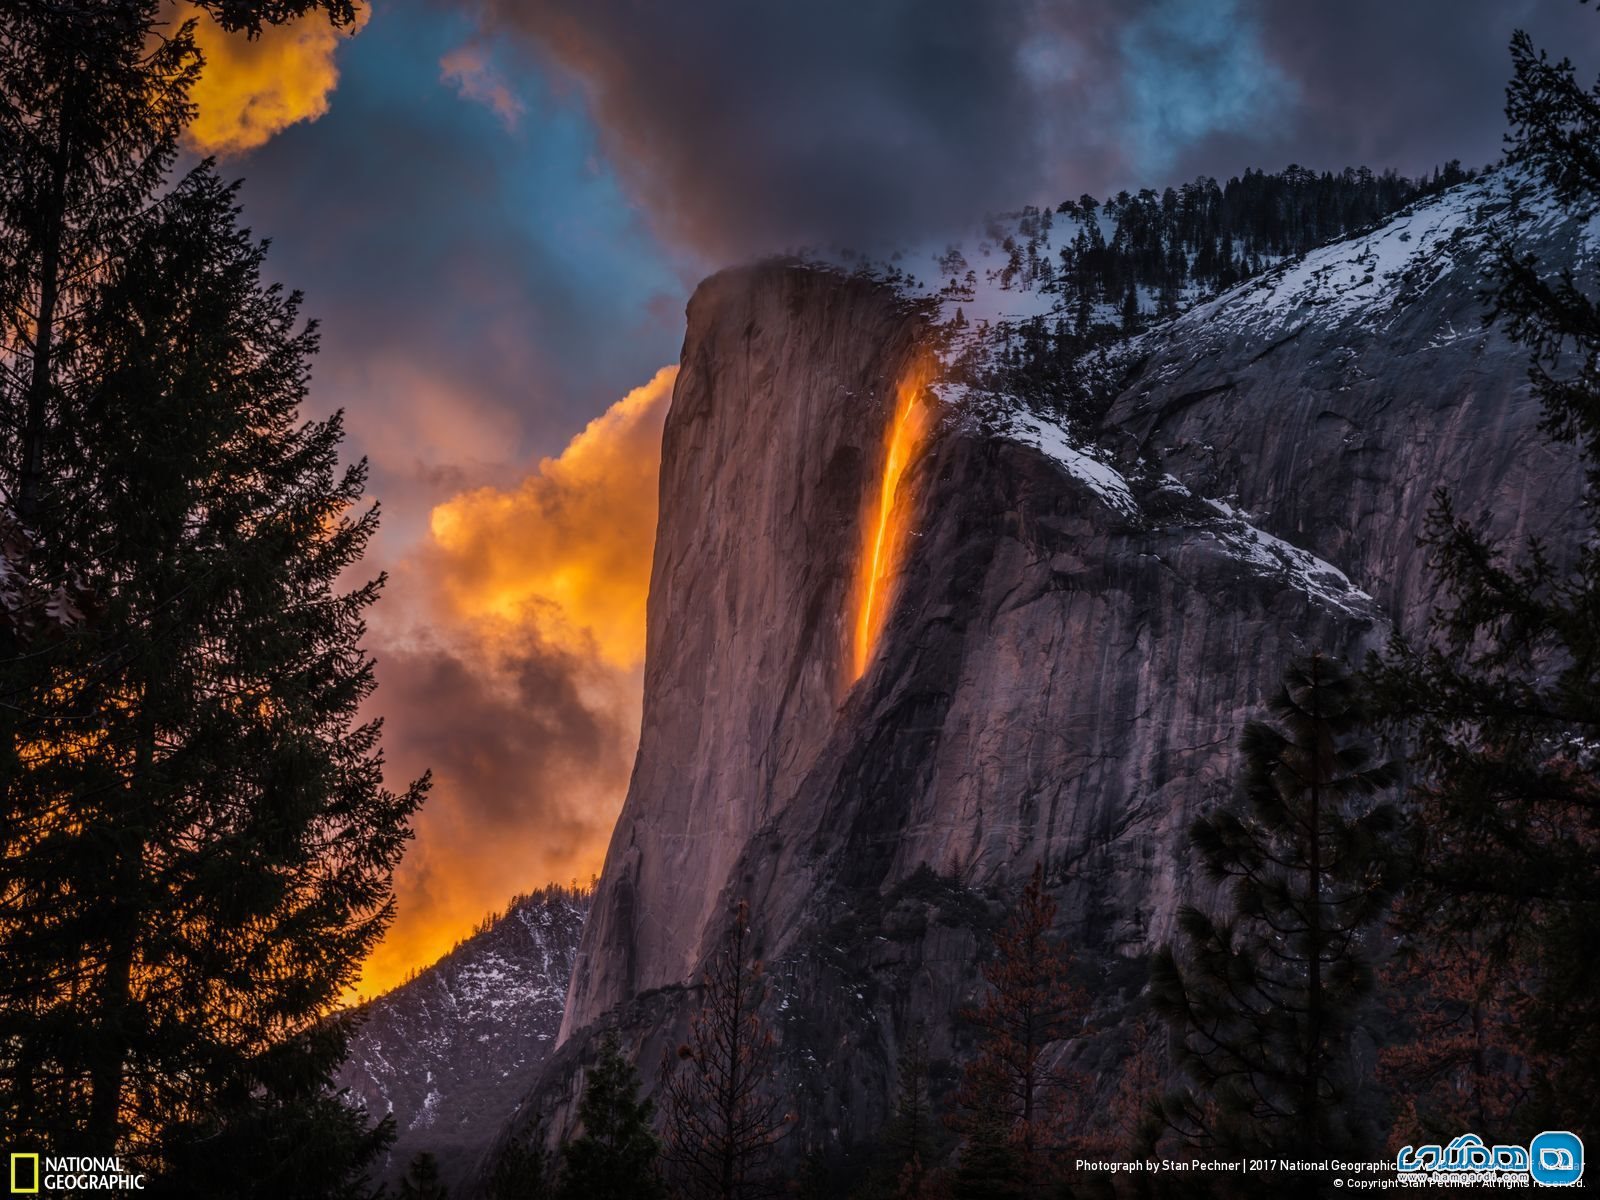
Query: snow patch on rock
x,y
1052,439
1273,556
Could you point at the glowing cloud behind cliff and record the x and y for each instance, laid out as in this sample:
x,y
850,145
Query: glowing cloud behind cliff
x,y
252,89
521,680
568,551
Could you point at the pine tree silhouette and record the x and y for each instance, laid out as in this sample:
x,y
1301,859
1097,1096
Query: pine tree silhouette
x,y
616,1155
198,846
1503,698
724,1115
911,1143
421,1180
523,1169
1012,1101
1261,1004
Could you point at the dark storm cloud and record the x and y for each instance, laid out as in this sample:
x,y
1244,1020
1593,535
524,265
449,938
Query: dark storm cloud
x,y
1409,85
517,736
746,127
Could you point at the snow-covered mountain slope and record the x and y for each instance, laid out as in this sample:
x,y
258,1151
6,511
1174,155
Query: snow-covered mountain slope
x,y
1325,401
1080,261
1369,281
449,1052
1235,398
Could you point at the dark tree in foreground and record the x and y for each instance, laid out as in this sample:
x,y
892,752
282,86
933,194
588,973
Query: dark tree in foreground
x,y
1117,1129
1504,696
906,1167
616,1156
724,1115
421,1180
523,1169
298,1137
991,1166
92,104
1461,1058
1030,1009
1263,1003
251,16
196,846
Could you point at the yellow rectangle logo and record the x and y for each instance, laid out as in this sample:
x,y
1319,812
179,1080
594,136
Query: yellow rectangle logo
x,y
17,1187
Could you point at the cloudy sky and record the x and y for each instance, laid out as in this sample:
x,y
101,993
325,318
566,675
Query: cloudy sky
x,y
497,209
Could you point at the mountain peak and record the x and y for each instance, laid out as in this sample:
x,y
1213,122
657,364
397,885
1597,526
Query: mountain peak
x,y
450,1052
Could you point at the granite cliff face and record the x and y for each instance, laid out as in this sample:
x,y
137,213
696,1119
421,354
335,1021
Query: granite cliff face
x,y
450,1052
1081,621
774,434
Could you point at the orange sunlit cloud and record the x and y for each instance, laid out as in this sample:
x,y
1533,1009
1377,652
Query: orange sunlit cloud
x,y
251,89
568,551
521,687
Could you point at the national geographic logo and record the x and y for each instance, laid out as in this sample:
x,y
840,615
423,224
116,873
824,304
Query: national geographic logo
x,y
32,1174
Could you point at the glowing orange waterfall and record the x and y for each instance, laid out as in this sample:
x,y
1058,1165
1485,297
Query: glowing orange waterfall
x,y
887,521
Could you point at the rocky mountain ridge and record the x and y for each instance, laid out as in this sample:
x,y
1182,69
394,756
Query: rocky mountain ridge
x,y
449,1052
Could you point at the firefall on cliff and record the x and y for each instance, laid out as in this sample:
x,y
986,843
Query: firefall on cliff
x,y
888,519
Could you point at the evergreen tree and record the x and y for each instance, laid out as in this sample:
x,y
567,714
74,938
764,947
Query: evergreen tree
x,y
1461,1059
723,1116
831,1174
990,1166
1130,310
1263,1003
251,16
905,1170
1503,698
93,98
909,1137
89,126
196,848
523,1169
615,1157
421,1180
1031,1007
1117,1130
297,1138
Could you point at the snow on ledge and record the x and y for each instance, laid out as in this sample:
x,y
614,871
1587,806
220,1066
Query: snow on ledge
x,y
1265,553
1273,556
1052,440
